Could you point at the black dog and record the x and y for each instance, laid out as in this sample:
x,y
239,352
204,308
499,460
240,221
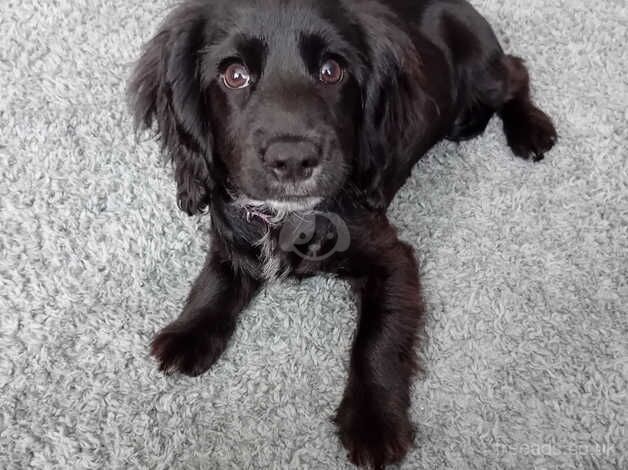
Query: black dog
x,y
294,123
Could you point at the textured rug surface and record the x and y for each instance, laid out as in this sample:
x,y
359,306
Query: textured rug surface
x,y
525,271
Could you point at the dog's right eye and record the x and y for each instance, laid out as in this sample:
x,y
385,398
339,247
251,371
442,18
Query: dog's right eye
x,y
236,76
331,72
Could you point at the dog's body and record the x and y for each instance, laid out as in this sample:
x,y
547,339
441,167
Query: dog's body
x,y
275,111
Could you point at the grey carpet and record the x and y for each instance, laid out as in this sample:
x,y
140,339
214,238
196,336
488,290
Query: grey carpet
x,y
525,270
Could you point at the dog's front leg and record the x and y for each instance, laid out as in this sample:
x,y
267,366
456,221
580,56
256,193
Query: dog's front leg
x,y
373,421
194,341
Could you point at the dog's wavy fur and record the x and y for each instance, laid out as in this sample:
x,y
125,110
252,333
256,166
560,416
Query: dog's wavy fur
x,y
420,71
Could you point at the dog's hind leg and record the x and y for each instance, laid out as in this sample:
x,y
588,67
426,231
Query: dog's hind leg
x,y
503,87
471,122
529,131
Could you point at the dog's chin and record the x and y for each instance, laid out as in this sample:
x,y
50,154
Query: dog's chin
x,y
285,198
257,188
283,204
295,204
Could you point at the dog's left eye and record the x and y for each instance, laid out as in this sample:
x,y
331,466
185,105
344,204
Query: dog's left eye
x,y
236,76
331,72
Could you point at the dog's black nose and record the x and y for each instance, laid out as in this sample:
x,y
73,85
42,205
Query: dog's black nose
x,y
292,161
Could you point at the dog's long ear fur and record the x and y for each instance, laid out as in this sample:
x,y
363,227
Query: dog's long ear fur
x,y
393,100
165,88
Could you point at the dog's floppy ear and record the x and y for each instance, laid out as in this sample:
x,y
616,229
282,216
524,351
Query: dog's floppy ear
x,y
393,102
165,88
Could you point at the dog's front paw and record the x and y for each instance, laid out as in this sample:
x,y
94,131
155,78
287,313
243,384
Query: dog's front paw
x,y
187,349
373,438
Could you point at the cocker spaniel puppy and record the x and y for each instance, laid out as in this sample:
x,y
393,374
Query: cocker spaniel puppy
x,y
294,123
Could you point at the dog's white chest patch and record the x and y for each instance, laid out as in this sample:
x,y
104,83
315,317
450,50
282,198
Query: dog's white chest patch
x,y
273,214
270,258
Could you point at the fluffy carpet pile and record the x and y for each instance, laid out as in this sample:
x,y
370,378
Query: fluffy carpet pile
x,y
525,269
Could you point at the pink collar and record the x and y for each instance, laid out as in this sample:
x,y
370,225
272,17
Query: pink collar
x,y
252,212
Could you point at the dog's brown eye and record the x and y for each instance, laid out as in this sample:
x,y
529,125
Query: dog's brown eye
x,y
236,76
331,72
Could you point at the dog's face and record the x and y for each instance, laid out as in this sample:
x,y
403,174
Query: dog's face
x,y
285,103
269,100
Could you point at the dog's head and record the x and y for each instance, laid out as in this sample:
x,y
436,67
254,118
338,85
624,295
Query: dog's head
x,y
280,101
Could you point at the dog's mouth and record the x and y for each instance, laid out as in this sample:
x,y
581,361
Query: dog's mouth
x,y
259,187
286,197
